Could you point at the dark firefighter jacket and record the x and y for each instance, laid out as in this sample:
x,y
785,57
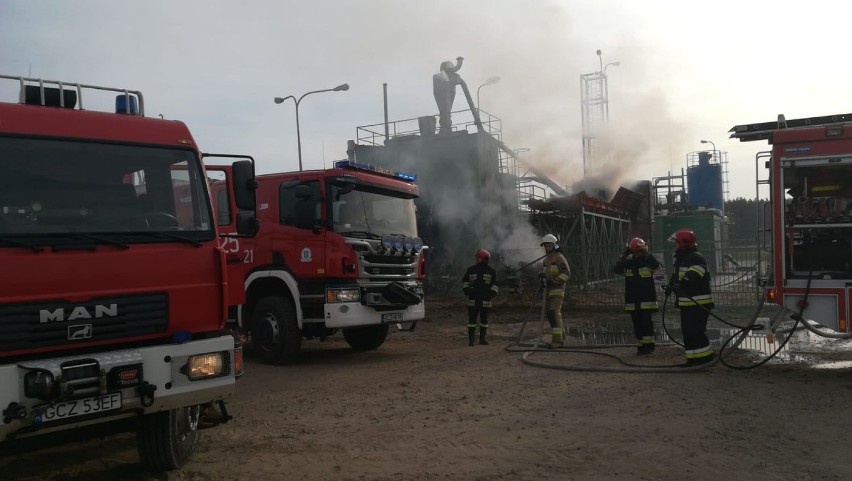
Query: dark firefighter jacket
x,y
480,284
640,292
691,279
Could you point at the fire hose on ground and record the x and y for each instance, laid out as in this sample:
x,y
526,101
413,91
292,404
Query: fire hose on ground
x,y
732,343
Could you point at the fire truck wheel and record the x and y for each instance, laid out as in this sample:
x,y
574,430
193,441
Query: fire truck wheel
x,y
274,328
366,338
166,439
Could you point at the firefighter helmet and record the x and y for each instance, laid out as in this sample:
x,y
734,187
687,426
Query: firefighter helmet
x,y
684,239
548,239
636,244
483,254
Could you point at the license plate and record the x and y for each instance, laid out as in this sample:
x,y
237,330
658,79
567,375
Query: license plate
x,y
392,317
81,407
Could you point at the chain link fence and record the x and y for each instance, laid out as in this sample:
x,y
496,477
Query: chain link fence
x,y
734,267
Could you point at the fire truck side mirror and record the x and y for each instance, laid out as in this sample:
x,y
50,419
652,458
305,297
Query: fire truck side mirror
x,y
247,224
245,186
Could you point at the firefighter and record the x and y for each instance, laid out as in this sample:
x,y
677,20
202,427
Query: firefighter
x,y
480,286
640,292
554,277
690,283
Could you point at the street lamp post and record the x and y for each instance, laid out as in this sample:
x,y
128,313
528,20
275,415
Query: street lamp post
x,y
278,100
490,81
614,64
715,152
606,84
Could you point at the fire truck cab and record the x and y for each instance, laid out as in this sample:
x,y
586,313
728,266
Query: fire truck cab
x,y
810,218
114,288
337,250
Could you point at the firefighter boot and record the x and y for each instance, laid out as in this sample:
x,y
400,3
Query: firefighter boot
x,y
482,340
471,335
555,330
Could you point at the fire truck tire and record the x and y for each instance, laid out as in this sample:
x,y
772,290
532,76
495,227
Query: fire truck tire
x,y
366,338
275,336
167,439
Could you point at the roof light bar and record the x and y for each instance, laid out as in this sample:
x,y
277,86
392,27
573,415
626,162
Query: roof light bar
x,y
349,164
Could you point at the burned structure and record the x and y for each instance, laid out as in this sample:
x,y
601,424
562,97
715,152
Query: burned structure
x,y
476,192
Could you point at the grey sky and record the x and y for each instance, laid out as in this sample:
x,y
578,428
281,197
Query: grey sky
x,y
688,71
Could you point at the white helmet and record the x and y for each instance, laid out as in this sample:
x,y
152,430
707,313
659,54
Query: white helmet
x,y
548,239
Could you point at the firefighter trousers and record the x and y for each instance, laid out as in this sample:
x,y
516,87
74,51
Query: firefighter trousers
x,y
474,311
554,318
693,324
643,326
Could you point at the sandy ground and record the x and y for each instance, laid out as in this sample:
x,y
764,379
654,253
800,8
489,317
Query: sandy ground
x,y
425,406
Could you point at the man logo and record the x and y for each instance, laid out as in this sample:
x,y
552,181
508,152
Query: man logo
x,y
79,331
77,313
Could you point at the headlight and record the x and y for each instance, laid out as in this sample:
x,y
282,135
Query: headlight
x,y
205,366
342,295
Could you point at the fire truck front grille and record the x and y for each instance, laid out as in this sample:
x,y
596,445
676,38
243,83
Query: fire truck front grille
x,y
386,266
39,325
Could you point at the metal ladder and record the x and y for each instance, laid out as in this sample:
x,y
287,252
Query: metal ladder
x,y
764,130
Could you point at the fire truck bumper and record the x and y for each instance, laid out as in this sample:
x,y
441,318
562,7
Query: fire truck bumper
x,y
114,385
354,314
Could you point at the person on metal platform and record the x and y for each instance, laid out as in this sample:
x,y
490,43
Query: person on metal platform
x,y
444,88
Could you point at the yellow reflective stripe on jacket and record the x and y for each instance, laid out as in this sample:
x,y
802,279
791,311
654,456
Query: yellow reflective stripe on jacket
x,y
643,272
563,277
556,292
696,300
495,288
700,270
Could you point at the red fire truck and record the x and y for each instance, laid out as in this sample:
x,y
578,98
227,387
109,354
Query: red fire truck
x,y
337,250
810,192
114,292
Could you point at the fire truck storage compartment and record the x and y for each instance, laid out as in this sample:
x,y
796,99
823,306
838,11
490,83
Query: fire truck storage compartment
x,y
821,308
818,217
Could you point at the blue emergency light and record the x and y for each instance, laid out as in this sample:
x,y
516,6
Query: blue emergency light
x,y
349,164
121,105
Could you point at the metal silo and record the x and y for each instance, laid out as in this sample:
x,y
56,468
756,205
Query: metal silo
x,y
705,180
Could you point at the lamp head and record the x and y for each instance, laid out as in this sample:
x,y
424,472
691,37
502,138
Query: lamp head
x,y
278,100
492,80
616,63
343,87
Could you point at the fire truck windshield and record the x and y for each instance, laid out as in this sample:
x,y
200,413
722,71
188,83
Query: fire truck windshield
x,y
52,188
376,212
